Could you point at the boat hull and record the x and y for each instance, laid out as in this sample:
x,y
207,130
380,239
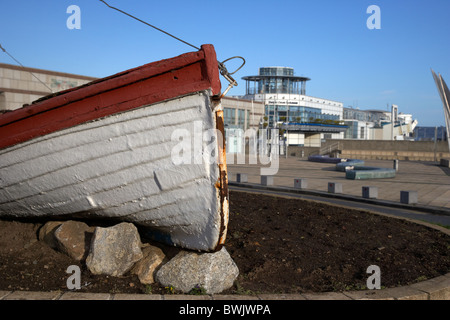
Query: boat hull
x,y
159,165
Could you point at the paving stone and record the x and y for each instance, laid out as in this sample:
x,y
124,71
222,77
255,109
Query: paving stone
x,y
437,288
130,296
400,293
85,296
281,297
33,295
4,294
234,297
326,296
186,297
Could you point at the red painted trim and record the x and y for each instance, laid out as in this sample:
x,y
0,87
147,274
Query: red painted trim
x,y
151,83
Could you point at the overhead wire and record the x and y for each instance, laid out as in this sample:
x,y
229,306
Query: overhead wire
x,y
223,70
150,25
4,50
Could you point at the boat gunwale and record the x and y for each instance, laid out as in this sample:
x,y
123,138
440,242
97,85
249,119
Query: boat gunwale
x,y
209,75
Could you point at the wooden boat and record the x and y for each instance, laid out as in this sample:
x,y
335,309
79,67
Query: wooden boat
x,y
105,150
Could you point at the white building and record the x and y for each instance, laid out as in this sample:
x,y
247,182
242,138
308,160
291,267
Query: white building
x,y
303,119
378,124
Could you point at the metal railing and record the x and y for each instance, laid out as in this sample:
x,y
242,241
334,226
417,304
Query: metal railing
x,y
330,148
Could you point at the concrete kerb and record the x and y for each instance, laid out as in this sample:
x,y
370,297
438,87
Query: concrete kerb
x,y
387,203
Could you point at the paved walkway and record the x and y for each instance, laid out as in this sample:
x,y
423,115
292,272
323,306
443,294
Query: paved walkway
x,y
430,181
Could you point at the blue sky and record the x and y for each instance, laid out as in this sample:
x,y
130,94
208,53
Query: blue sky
x,y
325,40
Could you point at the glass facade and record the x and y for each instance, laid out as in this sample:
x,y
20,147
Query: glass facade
x,y
229,116
236,118
276,71
297,114
288,103
275,80
352,130
428,133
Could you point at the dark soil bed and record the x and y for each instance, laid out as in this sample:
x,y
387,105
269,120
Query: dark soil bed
x,y
280,245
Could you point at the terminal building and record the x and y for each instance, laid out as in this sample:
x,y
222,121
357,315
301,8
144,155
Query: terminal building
x,y
304,120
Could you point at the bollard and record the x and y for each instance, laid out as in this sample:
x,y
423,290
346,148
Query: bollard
x,y
408,197
267,180
396,165
334,187
300,183
241,177
369,192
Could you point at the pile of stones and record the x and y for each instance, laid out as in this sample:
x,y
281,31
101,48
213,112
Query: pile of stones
x,y
117,250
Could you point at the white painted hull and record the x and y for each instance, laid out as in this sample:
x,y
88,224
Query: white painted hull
x,y
121,167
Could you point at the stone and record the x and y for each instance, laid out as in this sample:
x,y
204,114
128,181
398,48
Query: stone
x,y
215,272
114,250
73,238
146,268
47,233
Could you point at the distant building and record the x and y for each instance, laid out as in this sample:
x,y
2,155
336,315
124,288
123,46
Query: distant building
x,y
22,85
240,115
430,133
378,124
305,120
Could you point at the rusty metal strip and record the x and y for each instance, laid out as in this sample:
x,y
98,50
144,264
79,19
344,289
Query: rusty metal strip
x,y
222,183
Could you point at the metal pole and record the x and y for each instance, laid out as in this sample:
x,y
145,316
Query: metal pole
x,y
435,143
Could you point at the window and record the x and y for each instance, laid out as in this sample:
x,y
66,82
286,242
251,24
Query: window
x,y
241,118
229,116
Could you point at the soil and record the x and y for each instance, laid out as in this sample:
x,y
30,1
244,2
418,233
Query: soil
x,y
281,245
